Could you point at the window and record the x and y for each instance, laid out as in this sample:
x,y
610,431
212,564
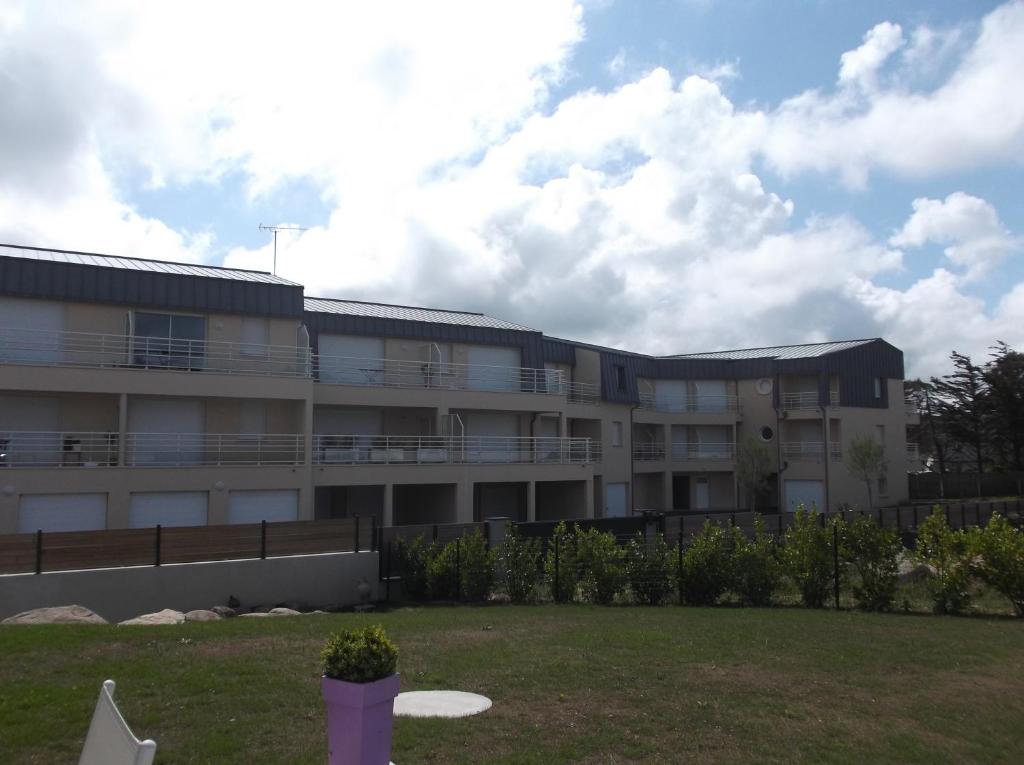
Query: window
x,y
616,433
878,387
169,340
620,378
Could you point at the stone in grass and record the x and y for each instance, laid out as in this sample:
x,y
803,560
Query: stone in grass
x,y
202,615
224,611
167,616
281,611
56,615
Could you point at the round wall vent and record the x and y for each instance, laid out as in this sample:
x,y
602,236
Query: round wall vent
x,y
767,434
764,386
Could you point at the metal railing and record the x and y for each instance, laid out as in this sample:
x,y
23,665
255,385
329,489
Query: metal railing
x,y
38,448
704,451
803,401
648,452
835,451
330,449
833,398
228,449
688,403
91,349
396,373
583,393
803,451
913,452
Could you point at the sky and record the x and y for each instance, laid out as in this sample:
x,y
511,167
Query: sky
x,y
667,176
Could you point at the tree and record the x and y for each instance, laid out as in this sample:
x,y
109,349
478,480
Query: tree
x,y
866,461
963,405
1003,377
933,439
753,466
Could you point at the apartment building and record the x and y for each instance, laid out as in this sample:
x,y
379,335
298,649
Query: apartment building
x,y
137,392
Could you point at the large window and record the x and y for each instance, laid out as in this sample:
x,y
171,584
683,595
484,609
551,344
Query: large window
x,y
169,340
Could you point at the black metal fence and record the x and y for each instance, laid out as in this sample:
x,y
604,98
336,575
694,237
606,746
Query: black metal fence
x,y
940,486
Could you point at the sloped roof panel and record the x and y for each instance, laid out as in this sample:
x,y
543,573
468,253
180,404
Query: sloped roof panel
x,y
408,313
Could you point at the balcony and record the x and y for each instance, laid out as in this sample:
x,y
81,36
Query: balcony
x,y
89,349
810,451
695,403
457,450
648,452
805,401
27,449
704,452
393,373
583,393
213,449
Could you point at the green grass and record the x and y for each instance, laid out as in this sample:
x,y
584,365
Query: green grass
x,y
569,684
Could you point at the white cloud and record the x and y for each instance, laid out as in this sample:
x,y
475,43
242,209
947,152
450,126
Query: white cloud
x,y
861,65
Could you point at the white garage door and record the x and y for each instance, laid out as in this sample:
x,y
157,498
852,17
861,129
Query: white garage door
x,y
62,512
166,431
29,330
493,367
670,395
806,493
270,506
351,359
615,500
167,508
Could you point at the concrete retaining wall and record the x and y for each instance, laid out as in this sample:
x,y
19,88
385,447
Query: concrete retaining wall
x,y
121,593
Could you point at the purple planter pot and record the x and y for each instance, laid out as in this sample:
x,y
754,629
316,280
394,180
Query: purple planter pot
x,y
359,720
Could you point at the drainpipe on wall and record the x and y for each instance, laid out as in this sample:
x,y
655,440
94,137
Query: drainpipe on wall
x,y
828,455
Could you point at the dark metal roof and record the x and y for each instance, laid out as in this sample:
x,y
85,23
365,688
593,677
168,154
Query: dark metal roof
x,y
140,264
781,352
408,313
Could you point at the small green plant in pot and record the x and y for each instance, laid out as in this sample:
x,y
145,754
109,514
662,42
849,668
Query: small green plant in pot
x,y
359,687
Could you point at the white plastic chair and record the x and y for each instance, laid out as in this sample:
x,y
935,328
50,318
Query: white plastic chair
x,y
110,741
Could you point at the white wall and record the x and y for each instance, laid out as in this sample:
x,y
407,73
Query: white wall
x,y
117,594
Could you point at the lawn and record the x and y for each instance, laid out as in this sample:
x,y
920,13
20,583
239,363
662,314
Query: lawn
x,y
569,684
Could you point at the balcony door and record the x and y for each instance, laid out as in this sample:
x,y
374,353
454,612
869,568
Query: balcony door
x,y
670,395
29,435
166,431
494,367
168,340
711,395
30,331
351,359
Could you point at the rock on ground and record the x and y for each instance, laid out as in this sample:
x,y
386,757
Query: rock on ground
x,y
284,612
225,611
56,615
167,616
202,615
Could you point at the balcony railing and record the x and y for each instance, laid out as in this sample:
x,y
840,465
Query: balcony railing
x,y
648,452
583,393
711,452
796,402
697,403
394,373
803,451
445,450
36,448
89,349
227,449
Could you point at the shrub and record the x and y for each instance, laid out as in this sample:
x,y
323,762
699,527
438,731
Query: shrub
x,y
519,559
410,561
601,563
708,566
807,556
946,552
649,569
359,655
441,571
476,566
560,566
756,570
873,551
998,559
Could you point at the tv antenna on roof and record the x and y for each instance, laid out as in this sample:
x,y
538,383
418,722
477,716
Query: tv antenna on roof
x,y
275,229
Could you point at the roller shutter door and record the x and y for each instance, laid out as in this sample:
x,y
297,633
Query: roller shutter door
x,y
494,368
270,506
351,359
168,508
806,493
62,512
29,331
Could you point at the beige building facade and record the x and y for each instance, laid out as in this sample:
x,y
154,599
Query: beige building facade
x,y
135,393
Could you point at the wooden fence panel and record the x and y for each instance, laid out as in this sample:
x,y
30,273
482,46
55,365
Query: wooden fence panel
x,y
17,553
67,550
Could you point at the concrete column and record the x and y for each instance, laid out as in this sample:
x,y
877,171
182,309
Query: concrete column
x,y
307,431
122,428
531,501
563,425
388,515
588,498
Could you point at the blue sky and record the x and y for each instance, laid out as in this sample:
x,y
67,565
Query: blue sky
x,y
667,176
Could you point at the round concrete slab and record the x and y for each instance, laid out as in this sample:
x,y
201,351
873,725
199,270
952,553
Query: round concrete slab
x,y
440,704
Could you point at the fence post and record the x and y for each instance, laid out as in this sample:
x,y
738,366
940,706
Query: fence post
x,y
898,524
156,552
458,568
387,579
679,556
39,551
977,514
263,540
557,592
779,517
435,532
915,517
357,535
373,533
881,519
835,563
963,516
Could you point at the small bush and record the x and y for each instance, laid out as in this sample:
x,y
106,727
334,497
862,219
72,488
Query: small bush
x,y
560,564
649,569
441,571
601,564
998,559
708,566
519,561
410,561
476,566
359,655
807,556
946,552
873,552
756,569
